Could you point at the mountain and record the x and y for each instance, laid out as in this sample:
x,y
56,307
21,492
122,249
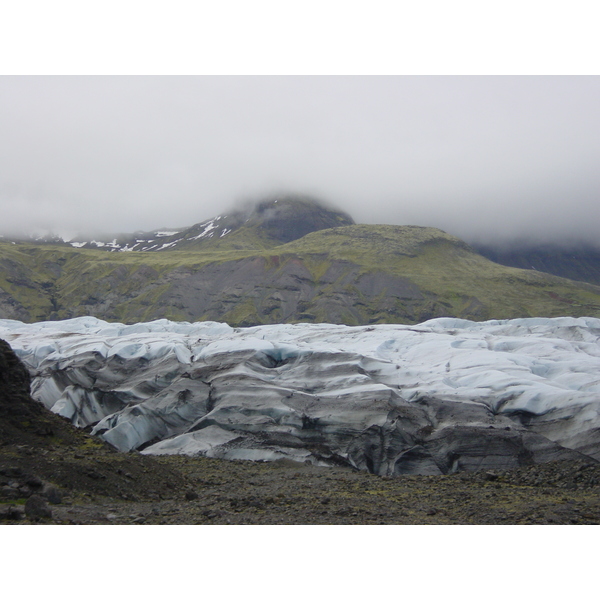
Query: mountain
x,y
285,260
263,225
580,262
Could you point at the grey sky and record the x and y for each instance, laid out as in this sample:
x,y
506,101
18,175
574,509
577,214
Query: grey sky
x,y
480,157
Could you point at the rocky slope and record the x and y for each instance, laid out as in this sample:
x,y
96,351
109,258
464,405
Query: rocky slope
x,y
242,269
45,460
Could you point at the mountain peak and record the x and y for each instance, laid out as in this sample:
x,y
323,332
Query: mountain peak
x,y
288,218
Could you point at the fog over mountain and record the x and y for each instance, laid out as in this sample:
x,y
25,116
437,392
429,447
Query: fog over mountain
x,y
481,157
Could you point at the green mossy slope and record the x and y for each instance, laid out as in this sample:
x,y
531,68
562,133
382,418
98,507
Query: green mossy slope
x,y
356,274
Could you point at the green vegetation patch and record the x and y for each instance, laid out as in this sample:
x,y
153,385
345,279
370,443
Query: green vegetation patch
x,y
424,273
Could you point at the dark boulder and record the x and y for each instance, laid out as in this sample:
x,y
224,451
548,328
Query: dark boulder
x,y
36,508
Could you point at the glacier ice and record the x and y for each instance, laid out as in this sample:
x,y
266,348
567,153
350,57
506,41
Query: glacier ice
x,y
444,395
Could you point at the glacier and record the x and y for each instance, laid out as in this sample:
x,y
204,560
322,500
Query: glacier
x,y
443,396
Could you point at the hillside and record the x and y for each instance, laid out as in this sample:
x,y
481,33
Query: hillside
x,y
270,269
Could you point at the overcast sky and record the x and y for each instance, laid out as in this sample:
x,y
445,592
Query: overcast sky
x,y
480,157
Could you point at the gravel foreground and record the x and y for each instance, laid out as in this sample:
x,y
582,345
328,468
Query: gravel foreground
x,y
179,490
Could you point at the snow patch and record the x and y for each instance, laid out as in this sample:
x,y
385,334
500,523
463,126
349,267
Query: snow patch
x,y
208,227
168,245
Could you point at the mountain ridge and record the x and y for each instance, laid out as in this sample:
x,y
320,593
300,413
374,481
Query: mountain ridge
x,y
580,262
345,273
273,221
241,228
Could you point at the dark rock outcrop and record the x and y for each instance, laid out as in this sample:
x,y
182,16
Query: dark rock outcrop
x,y
16,406
289,218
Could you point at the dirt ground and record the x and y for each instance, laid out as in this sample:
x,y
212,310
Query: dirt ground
x,y
132,489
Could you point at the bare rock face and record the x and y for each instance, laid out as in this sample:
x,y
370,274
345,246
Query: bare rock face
x,y
444,396
257,290
290,218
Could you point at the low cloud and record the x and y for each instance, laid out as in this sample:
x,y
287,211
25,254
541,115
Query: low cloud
x,y
484,158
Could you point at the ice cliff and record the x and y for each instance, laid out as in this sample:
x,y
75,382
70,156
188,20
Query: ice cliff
x,y
442,396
